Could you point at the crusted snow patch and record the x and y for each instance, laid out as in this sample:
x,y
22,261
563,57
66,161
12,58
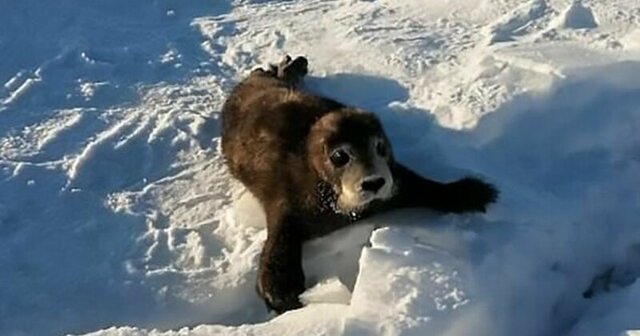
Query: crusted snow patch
x,y
18,90
518,21
328,291
88,89
315,320
32,140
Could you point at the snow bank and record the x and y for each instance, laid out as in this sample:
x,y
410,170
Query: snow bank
x,y
117,216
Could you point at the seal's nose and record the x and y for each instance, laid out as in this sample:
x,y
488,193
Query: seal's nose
x,y
373,183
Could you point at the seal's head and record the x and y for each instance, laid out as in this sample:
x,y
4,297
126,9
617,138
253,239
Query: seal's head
x,y
349,150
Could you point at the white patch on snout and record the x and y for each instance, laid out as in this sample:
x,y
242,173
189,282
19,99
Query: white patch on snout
x,y
380,170
352,196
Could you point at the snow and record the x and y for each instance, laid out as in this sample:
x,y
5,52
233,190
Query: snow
x,y
518,21
578,16
118,217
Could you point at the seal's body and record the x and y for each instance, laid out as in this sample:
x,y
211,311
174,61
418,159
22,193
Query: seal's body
x,y
317,165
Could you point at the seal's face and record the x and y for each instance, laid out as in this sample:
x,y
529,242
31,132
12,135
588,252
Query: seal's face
x,y
350,151
363,172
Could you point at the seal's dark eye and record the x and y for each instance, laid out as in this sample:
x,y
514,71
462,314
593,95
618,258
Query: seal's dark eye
x,y
381,148
339,158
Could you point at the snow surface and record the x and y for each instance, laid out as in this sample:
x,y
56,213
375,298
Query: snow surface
x,y
118,218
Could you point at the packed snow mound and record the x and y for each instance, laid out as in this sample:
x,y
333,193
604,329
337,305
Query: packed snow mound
x,y
578,16
118,217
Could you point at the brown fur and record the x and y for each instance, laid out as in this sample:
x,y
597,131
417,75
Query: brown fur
x,y
276,139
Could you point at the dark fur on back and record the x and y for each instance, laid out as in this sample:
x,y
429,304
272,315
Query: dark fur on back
x,y
273,139
265,128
